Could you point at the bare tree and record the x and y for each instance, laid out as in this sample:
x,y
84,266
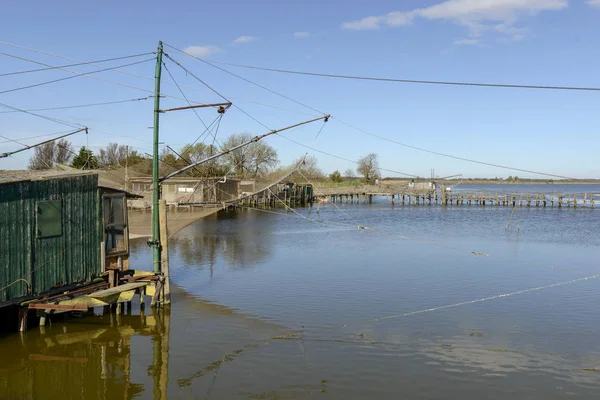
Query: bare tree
x,y
264,158
51,153
114,154
349,173
368,167
197,152
251,160
310,169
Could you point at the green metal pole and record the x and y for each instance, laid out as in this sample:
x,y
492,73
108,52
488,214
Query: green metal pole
x,y
155,188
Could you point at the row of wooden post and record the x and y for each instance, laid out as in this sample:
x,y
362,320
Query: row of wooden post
x,y
539,200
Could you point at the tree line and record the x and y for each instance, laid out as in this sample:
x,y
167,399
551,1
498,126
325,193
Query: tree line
x,y
255,160
367,168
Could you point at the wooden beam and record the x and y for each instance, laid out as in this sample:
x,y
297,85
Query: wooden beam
x,y
117,289
61,307
226,105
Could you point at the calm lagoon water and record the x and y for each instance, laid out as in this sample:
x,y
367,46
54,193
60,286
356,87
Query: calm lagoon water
x,y
274,304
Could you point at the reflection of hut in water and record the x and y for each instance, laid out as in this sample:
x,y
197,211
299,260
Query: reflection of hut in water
x,y
85,363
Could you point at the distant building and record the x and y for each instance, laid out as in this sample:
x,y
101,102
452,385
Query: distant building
x,y
422,185
187,190
247,186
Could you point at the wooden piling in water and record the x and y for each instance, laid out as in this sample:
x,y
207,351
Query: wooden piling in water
x,y
164,243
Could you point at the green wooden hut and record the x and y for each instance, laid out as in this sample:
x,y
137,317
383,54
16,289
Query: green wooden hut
x,y
57,229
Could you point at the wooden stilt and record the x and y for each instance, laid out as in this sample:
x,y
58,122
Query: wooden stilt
x,y
164,242
22,319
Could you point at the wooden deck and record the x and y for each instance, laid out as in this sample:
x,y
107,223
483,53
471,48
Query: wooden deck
x,y
480,198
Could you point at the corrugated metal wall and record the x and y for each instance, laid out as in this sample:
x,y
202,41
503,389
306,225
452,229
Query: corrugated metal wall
x,y
46,263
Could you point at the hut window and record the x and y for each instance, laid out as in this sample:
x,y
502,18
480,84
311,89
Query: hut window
x,y
48,218
115,224
189,188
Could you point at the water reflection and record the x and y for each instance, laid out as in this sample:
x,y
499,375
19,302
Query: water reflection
x,y
89,358
240,245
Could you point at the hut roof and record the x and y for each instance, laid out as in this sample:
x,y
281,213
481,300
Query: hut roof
x,y
8,176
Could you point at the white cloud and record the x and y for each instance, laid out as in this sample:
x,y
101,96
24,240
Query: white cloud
x,y
201,51
467,42
593,3
476,15
299,35
244,39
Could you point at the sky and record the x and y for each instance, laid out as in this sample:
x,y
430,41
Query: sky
x,y
529,42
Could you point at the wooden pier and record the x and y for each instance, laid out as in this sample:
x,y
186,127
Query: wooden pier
x,y
478,198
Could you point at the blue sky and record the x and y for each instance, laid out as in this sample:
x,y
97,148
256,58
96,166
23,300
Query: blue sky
x,y
552,42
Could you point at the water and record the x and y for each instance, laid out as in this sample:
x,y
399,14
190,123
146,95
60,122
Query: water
x,y
269,304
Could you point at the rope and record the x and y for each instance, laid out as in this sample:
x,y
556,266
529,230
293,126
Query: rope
x,y
32,137
27,147
246,80
94,77
428,82
74,76
65,66
185,97
450,155
81,105
198,79
463,303
58,121
396,142
145,77
318,133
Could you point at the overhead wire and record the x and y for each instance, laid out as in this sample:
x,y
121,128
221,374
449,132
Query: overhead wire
x,y
340,157
58,121
210,126
83,105
450,155
65,66
194,76
186,98
215,91
244,79
394,141
137,76
416,81
72,77
23,144
96,77
182,154
35,137
304,105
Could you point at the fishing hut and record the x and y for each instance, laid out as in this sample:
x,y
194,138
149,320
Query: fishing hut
x,y
186,190
64,245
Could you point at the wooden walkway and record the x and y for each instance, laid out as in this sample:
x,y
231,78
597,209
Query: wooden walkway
x,y
483,198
